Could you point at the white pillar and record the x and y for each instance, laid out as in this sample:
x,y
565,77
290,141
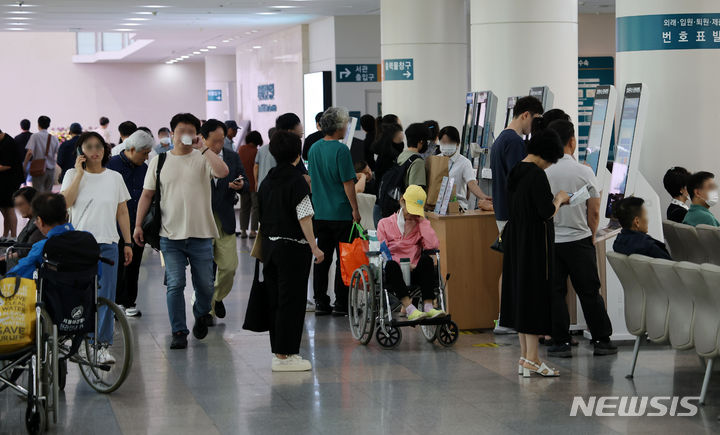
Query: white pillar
x,y
220,76
518,44
434,34
683,116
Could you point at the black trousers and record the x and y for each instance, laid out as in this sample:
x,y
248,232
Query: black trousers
x,y
286,271
329,234
127,277
423,275
578,261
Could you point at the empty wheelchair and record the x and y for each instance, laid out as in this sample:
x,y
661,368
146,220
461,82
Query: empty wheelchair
x,y
373,310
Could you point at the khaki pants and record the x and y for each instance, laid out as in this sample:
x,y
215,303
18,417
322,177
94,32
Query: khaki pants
x,y
226,259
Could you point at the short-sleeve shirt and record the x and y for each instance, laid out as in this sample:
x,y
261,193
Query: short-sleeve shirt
x,y
416,172
95,209
330,166
38,144
185,196
265,162
460,168
507,150
571,220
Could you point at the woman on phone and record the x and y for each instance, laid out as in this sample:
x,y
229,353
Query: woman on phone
x,y
97,202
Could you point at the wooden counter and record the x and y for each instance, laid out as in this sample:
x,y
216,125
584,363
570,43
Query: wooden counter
x,y
474,268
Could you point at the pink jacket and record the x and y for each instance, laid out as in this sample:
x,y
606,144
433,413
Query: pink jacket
x,y
422,237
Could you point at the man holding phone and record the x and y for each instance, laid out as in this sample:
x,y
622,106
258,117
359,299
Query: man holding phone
x,y
188,226
224,198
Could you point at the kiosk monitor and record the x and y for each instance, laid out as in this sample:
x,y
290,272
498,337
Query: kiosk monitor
x,y
509,109
543,94
468,133
601,124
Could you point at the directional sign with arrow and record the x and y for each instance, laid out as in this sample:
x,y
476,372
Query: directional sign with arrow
x,y
356,73
398,69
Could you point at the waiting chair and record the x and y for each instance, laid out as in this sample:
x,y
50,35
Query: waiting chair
x,y
672,239
707,321
676,284
709,237
694,251
656,301
634,298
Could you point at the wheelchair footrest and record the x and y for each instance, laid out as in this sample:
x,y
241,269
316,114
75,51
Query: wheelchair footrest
x,y
403,321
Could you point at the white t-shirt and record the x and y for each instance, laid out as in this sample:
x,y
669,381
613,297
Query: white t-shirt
x,y
117,149
95,209
461,169
185,196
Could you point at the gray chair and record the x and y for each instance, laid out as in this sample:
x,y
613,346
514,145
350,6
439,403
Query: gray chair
x,y
709,237
657,305
634,300
707,321
672,240
694,251
676,284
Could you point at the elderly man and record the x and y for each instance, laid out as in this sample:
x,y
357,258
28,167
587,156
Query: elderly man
x,y
130,163
333,186
224,198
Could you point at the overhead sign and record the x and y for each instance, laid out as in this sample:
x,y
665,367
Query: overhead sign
x,y
668,32
356,73
592,72
398,69
214,95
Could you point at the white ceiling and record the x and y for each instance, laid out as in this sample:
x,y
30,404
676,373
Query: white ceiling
x,y
184,26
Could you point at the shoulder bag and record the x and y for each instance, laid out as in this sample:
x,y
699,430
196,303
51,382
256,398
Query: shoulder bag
x,y
152,222
37,166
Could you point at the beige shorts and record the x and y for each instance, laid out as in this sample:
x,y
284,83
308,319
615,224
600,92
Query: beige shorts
x,y
501,225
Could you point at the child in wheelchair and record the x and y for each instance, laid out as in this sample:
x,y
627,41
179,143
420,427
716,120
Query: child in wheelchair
x,y
407,234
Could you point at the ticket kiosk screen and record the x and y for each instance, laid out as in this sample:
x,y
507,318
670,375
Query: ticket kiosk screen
x,y
623,152
592,156
479,124
467,132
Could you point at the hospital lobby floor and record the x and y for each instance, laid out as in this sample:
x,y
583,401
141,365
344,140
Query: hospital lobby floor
x,y
223,384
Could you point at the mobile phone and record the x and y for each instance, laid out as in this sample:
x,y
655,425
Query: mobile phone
x,y
238,179
81,153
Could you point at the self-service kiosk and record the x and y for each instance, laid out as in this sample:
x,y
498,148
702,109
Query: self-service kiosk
x,y
480,113
544,94
509,109
598,145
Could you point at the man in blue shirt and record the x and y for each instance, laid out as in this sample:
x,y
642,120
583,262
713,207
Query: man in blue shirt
x,y
703,194
50,210
633,239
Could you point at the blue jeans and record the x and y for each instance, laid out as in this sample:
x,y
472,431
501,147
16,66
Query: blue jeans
x,y
177,254
107,280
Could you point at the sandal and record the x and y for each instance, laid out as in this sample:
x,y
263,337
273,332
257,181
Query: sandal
x,y
542,370
520,365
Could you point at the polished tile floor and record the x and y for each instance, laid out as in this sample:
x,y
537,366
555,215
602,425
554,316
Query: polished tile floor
x,y
223,384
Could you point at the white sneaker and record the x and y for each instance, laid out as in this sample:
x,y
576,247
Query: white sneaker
x,y
104,356
310,306
132,312
293,363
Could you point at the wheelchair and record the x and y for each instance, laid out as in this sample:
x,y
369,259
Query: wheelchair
x,y
67,321
373,310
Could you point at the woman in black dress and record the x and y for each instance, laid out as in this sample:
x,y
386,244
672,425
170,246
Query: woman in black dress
x,y
528,242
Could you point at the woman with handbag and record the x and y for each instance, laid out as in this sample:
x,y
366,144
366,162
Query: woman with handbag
x,y
97,202
288,245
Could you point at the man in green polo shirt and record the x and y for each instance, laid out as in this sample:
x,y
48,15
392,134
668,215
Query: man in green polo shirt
x,y
417,136
704,194
332,175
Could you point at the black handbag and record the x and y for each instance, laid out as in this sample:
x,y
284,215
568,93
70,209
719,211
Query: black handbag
x,y
257,315
498,244
152,222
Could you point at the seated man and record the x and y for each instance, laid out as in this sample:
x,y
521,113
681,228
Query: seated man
x,y
633,239
407,233
675,182
704,194
50,211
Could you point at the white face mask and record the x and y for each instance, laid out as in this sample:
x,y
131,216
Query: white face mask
x,y
165,141
712,199
186,139
448,149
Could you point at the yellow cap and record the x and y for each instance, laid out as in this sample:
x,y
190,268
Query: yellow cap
x,y
415,197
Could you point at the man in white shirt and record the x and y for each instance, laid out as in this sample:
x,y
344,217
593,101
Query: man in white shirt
x,y
575,228
103,130
125,129
43,145
188,225
461,169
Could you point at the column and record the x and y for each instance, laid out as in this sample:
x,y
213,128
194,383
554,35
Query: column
x,y
434,34
518,44
220,83
680,73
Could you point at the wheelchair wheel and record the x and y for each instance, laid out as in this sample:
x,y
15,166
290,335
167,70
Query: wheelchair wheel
x,y
106,378
448,334
62,374
391,340
429,332
361,303
35,414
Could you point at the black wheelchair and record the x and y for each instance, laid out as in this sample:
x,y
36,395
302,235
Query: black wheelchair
x,y
373,309
66,326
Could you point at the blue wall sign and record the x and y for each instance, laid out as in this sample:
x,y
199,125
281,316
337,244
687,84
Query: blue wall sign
x,y
398,69
592,71
356,73
214,95
668,32
266,92
267,108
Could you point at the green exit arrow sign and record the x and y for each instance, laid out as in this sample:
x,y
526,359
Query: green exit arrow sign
x,y
398,69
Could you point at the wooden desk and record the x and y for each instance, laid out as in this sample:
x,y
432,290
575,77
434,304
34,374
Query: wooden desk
x,y
474,268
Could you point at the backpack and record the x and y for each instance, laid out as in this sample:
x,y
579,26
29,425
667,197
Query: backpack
x,y
392,187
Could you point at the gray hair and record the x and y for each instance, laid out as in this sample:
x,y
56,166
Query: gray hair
x,y
334,119
139,141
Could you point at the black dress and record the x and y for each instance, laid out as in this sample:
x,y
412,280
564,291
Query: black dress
x,y
9,180
528,242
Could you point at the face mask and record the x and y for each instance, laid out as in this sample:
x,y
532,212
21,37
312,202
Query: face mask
x,y
165,141
448,149
423,147
712,199
186,139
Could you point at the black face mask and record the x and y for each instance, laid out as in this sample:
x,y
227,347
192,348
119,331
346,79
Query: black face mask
x,y
399,147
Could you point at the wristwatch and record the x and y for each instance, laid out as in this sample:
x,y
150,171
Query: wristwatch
x,y
127,245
